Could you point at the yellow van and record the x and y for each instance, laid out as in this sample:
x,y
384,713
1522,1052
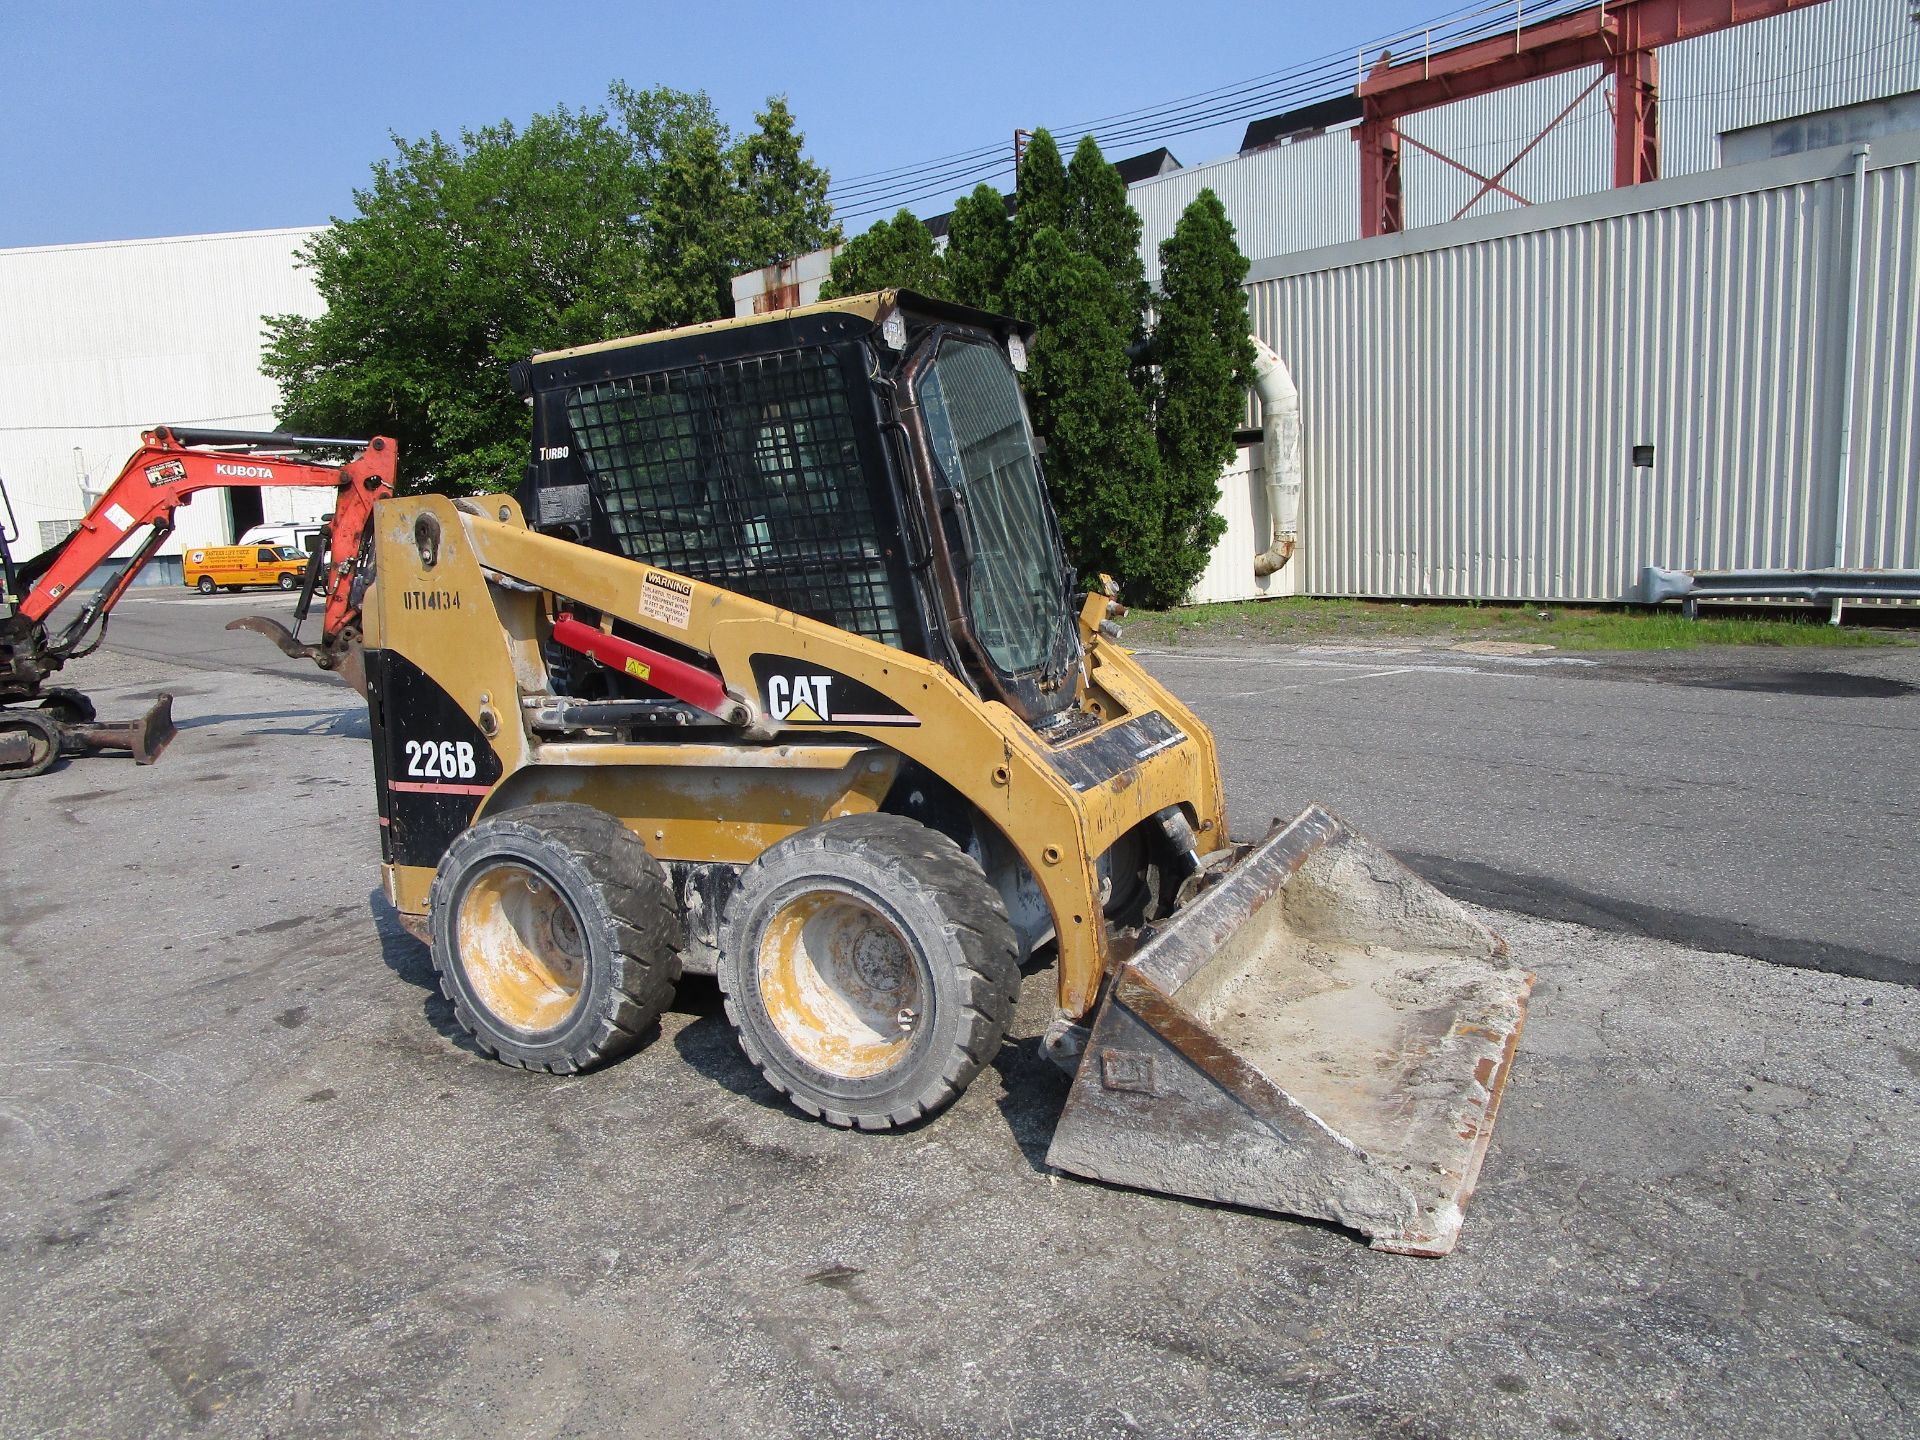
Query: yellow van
x,y
228,567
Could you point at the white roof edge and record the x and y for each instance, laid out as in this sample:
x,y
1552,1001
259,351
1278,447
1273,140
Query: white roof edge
x,y
162,240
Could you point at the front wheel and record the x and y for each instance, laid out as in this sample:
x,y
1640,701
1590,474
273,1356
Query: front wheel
x,y
555,935
288,580
869,970
207,587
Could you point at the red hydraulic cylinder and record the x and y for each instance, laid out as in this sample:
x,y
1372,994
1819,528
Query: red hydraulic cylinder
x,y
700,688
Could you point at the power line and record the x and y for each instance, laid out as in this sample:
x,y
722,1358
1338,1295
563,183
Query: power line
x,y
881,191
132,424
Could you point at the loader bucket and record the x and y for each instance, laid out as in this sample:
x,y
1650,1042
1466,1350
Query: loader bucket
x,y
1320,1033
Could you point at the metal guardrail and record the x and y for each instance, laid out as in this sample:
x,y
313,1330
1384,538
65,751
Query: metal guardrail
x,y
1831,585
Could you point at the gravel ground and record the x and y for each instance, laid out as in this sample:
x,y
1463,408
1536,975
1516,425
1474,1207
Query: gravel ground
x,y
255,1184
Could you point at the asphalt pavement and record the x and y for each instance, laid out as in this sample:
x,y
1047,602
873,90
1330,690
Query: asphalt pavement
x,y
254,1182
1758,801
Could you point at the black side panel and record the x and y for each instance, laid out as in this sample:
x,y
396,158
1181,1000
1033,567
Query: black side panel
x,y
1087,763
432,766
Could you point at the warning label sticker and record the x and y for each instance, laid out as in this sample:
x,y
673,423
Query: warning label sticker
x,y
119,516
666,598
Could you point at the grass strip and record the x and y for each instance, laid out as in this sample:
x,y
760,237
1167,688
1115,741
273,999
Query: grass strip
x,y
1564,627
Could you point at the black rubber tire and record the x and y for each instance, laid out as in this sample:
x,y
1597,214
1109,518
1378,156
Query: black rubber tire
x,y
288,580
954,925
206,586
45,731
629,926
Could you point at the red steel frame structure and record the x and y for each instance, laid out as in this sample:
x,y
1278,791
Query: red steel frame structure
x,y
1620,36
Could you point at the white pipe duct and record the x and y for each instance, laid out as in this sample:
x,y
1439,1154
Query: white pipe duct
x,y
1279,454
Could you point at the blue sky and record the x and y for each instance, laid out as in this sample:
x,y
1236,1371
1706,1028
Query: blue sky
x,y
122,120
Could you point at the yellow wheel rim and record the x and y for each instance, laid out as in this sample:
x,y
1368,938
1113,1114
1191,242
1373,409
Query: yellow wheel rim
x,y
520,946
841,984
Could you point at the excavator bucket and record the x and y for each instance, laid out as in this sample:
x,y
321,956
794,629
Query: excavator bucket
x,y
1320,1033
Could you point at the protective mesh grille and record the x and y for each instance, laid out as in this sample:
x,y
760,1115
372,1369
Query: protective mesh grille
x,y
745,474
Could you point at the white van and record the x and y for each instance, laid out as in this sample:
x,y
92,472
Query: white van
x,y
301,535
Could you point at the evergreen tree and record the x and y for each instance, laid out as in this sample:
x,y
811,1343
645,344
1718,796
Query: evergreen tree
x,y
894,254
1040,198
1203,362
1102,466
1101,225
980,249
787,213
693,230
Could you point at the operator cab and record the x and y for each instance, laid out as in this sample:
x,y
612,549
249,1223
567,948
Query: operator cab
x,y
866,462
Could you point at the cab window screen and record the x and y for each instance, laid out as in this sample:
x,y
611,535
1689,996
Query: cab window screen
x,y
745,474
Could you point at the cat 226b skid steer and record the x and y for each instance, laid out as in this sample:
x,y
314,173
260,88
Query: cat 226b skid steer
x,y
780,674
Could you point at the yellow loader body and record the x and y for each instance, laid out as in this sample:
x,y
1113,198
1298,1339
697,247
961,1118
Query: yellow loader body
x,y
1315,1031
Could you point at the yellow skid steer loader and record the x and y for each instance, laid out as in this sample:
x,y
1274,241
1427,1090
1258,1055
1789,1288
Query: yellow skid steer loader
x,y
780,675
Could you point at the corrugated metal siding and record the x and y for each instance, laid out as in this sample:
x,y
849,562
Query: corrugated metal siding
x,y
1885,509
1575,157
1307,194
1471,404
1229,573
1834,54
1292,197
100,341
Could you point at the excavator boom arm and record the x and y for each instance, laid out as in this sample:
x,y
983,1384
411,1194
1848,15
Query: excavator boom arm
x,y
174,464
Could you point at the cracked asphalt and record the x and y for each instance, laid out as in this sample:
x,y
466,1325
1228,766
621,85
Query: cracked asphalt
x,y
252,1182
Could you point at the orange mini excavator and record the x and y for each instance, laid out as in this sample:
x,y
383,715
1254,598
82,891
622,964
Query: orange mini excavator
x,y
39,722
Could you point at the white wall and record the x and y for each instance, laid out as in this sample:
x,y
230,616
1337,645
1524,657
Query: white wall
x,y
98,342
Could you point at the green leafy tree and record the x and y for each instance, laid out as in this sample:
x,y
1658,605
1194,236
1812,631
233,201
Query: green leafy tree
x,y
1102,466
694,234
893,254
1101,225
787,211
1203,360
465,255
1139,426
1040,197
980,249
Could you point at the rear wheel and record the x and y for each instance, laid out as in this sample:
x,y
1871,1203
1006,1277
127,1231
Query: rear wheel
x,y
29,743
207,587
869,970
555,936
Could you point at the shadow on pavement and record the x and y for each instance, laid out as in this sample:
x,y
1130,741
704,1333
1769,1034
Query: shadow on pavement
x,y
343,724
413,963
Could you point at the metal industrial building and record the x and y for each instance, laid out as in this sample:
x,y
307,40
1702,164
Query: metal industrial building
x,y
1706,372
101,341
1474,390
1477,388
